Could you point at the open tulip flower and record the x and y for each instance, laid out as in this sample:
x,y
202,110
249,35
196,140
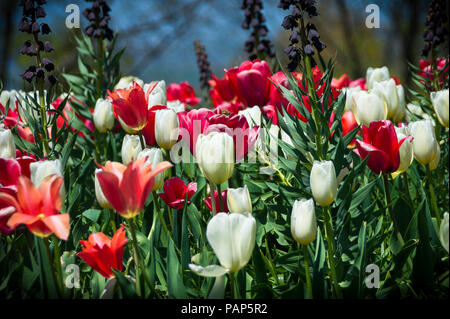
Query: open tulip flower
x,y
127,187
175,192
37,208
380,143
103,253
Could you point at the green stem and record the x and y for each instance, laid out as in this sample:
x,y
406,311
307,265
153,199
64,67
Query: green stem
x,y
43,117
141,139
99,67
221,206
135,257
432,195
405,181
52,266
213,200
331,248
57,260
233,286
158,211
389,208
170,218
308,275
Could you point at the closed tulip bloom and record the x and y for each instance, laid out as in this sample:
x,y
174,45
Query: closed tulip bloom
x,y
175,192
38,207
7,145
153,156
158,95
101,199
387,90
126,81
374,75
9,99
401,110
406,150
368,107
103,253
349,91
215,156
127,187
103,115
424,141
232,237
323,182
303,221
131,147
253,115
238,200
440,103
41,169
443,232
437,157
166,128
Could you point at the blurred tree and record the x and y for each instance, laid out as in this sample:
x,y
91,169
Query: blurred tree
x,y
7,24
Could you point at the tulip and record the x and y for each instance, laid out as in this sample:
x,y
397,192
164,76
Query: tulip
x,y
239,201
153,156
40,170
323,182
177,106
368,107
374,75
126,81
401,110
217,199
440,103
424,141
303,221
6,211
38,208
99,194
387,91
166,128
195,122
349,91
102,253
215,156
232,237
157,95
149,130
131,146
406,150
437,158
103,115
382,146
7,146
10,171
175,192
443,232
183,92
127,187
9,99
252,115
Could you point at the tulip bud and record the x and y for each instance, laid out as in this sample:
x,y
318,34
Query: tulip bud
x,y
131,146
323,182
238,200
368,107
126,81
215,156
103,115
166,128
349,91
401,110
99,193
7,146
437,157
41,169
387,90
158,95
374,75
154,156
232,237
443,232
303,221
406,151
440,103
424,141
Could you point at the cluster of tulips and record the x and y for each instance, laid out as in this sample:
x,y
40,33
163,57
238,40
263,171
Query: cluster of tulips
x,y
168,134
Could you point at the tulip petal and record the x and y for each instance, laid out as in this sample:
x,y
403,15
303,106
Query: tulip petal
x,y
109,184
59,224
208,271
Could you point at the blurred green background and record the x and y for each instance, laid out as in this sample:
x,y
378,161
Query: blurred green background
x,y
159,35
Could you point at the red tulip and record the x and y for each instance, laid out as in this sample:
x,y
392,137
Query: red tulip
x,y
6,210
276,96
102,253
12,119
64,118
229,108
208,203
131,105
340,83
38,208
175,192
127,187
381,145
348,122
149,130
361,82
194,123
183,92
10,171
222,89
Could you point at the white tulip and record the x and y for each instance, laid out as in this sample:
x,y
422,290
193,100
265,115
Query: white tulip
x,y
131,146
176,105
440,103
101,199
126,81
406,151
323,182
232,237
368,107
349,91
443,232
41,169
238,200
303,221
8,99
253,116
154,156
417,111
103,115
437,157
424,141
158,94
401,110
387,90
374,75
215,156
166,128
7,145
